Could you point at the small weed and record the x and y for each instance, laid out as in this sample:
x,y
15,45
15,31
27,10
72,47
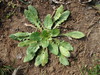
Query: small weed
x,y
23,1
5,70
93,71
97,6
44,39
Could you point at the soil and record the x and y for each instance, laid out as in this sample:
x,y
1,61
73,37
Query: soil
x,y
86,51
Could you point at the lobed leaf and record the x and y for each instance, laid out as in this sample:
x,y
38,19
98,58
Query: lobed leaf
x,y
44,57
14,37
62,18
58,13
38,60
48,22
35,13
53,48
29,57
63,60
67,46
25,43
33,48
32,16
20,36
75,34
64,51
33,10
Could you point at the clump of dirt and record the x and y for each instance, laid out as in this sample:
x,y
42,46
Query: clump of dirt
x,y
86,51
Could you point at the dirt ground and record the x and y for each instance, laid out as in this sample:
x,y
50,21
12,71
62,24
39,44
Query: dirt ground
x,y
86,51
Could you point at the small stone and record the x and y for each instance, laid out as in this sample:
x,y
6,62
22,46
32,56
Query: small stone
x,y
19,56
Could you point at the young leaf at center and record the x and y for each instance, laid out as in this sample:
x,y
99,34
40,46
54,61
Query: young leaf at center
x,y
44,43
35,36
55,32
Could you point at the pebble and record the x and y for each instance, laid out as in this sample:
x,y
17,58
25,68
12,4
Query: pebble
x,y
19,56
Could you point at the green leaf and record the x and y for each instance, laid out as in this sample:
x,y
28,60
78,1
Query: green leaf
x,y
55,32
63,60
63,17
25,43
32,16
35,36
67,46
33,48
14,37
57,41
29,57
58,13
29,16
75,34
44,43
64,51
53,48
20,36
44,57
33,10
38,60
35,14
48,22
45,34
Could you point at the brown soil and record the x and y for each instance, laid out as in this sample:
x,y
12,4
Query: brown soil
x,y
86,51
